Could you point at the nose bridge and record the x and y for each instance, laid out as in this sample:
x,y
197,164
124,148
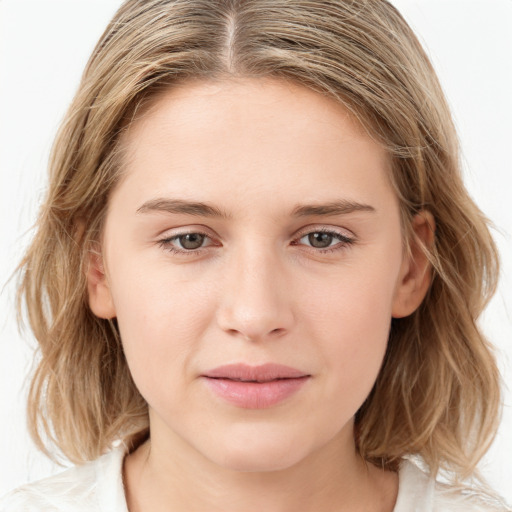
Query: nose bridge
x,y
255,302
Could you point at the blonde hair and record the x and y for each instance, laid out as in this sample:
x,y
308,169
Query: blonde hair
x,y
437,394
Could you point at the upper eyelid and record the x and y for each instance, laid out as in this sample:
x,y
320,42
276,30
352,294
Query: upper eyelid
x,y
298,234
343,232
180,231
173,238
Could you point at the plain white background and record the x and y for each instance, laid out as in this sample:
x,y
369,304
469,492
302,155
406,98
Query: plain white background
x,y
44,47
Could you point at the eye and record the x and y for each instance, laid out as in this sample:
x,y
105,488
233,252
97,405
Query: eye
x,y
319,240
186,242
326,240
191,241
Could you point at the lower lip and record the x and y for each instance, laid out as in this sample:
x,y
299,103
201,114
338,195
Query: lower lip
x,y
255,395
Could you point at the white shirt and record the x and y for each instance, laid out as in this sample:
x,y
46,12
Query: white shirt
x,y
98,487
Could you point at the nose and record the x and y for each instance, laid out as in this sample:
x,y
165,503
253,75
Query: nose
x,y
256,298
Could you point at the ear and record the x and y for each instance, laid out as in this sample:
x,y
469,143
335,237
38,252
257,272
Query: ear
x,y
416,270
98,287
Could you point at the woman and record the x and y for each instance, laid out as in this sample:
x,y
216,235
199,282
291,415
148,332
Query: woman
x,y
253,269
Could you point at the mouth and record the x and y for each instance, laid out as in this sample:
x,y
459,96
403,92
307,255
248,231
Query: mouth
x,y
262,373
255,387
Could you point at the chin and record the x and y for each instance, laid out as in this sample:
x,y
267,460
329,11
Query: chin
x,y
262,452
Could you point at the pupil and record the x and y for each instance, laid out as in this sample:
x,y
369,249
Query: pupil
x,y
320,240
191,240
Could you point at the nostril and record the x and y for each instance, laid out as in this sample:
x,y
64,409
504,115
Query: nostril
x,y
256,336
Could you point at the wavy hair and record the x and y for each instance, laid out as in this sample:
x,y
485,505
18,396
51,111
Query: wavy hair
x,y
438,391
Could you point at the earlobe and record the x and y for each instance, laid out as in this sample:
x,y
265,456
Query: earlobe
x,y
98,287
416,270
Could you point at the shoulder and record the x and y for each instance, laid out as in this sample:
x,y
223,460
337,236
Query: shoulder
x,y
93,487
418,492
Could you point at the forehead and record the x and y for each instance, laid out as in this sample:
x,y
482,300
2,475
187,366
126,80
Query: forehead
x,y
249,137
266,104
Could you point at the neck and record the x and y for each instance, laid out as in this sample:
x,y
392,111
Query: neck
x,y
161,475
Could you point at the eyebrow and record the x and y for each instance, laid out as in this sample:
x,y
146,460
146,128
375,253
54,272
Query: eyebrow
x,y
184,207
200,209
341,207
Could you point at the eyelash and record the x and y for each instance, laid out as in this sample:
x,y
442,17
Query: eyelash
x,y
344,242
165,243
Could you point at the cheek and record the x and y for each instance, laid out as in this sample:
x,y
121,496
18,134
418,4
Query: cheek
x,y
356,303
351,322
158,300
161,318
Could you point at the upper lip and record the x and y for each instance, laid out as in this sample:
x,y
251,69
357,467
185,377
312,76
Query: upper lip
x,y
261,373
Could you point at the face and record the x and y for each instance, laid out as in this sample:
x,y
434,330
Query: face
x,y
255,224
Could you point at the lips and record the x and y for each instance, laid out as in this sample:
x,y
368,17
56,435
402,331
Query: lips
x,y
255,387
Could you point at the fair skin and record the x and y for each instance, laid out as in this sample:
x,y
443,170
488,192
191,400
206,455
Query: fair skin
x,y
257,287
